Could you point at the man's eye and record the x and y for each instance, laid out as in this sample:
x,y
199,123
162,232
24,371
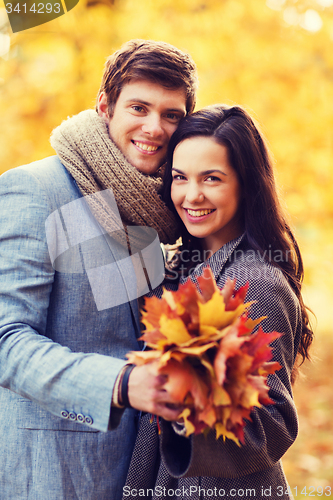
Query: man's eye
x,y
173,117
138,109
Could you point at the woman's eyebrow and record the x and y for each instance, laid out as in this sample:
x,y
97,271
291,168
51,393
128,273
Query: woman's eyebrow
x,y
204,172
212,171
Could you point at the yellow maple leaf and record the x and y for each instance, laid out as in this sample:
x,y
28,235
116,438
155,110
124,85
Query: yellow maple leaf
x,y
196,350
190,428
211,313
220,395
252,323
207,331
222,431
174,330
249,397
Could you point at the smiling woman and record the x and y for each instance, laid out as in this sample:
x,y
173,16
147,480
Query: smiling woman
x,y
218,162
219,182
206,192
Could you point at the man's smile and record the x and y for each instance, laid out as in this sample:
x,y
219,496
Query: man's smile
x,y
146,147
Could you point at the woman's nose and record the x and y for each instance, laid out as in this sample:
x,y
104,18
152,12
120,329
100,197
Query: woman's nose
x,y
194,193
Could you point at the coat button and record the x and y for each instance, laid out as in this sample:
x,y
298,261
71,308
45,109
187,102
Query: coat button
x,y
80,418
72,416
89,420
65,414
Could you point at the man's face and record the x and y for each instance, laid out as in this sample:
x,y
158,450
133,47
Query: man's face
x,y
144,118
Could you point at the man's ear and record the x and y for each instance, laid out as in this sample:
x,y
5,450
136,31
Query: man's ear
x,y
103,107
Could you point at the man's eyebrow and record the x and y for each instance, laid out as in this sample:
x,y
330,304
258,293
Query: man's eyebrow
x,y
140,101
204,172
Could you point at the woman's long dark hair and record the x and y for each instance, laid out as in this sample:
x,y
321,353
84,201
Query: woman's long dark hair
x,y
265,225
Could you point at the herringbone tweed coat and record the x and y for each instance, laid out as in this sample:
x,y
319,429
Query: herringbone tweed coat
x,y
172,466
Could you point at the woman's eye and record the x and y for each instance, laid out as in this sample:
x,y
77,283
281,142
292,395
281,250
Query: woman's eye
x,y
178,177
212,178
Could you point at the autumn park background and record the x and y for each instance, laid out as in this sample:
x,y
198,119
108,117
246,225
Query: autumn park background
x,y
275,57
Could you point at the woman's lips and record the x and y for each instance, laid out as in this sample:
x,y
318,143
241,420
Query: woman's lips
x,y
198,215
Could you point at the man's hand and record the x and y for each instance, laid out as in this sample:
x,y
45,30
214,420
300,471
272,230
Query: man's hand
x,y
146,393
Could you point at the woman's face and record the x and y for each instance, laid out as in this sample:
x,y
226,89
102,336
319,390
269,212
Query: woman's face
x,y
206,192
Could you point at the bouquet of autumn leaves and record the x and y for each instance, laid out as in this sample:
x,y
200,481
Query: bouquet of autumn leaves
x,y
215,366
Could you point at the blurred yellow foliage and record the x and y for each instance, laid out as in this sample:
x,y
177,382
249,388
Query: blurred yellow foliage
x,y
248,52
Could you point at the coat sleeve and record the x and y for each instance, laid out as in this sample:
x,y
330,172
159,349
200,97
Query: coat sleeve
x,y
273,427
31,364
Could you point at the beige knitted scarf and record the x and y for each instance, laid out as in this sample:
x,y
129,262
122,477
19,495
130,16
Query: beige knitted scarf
x,y
84,147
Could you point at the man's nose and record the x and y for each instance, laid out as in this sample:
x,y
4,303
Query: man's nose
x,y
153,126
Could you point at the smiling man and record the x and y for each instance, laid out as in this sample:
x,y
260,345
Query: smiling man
x,y
143,120
68,400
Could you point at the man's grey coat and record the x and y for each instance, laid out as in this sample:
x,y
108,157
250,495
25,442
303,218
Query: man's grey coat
x,y
59,354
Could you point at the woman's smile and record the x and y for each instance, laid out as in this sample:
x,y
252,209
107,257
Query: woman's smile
x,y
198,215
197,212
